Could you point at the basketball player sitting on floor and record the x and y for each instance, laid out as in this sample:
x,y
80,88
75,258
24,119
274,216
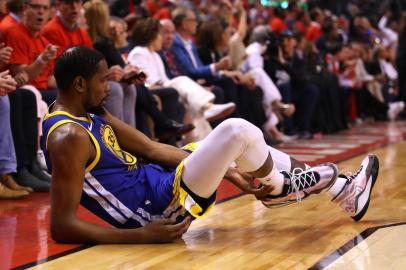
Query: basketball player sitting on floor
x,y
92,157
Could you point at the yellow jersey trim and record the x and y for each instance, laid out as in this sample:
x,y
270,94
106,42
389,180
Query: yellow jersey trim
x,y
48,115
190,146
180,195
95,142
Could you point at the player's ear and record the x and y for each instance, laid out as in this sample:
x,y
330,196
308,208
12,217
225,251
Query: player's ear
x,y
79,84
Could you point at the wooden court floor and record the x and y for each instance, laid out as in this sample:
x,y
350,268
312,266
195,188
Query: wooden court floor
x,y
242,234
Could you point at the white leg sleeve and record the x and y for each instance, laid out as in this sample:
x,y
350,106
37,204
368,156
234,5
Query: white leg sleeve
x,y
233,140
280,160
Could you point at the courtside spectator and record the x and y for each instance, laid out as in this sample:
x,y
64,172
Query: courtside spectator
x,y
32,52
15,8
63,30
9,189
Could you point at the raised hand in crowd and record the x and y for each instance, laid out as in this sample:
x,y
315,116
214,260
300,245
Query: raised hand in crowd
x,y
7,83
49,53
239,6
5,54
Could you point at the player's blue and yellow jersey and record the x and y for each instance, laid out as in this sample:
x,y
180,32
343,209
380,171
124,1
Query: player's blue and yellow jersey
x,y
118,189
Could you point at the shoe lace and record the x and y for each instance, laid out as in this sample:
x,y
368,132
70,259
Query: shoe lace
x,y
300,180
350,176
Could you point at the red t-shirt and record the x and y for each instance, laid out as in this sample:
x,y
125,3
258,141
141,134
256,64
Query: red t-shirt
x,y
163,13
26,49
300,26
59,35
313,32
278,25
7,22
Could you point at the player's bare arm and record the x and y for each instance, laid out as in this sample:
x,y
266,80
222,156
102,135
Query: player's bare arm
x,y
137,143
70,150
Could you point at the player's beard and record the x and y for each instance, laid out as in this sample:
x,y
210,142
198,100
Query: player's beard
x,y
99,109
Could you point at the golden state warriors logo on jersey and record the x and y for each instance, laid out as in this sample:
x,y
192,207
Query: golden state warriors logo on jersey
x,y
110,140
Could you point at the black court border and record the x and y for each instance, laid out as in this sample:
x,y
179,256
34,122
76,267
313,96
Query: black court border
x,y
329,259
53,257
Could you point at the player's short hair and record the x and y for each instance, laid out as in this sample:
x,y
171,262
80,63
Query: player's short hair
x,y
76,61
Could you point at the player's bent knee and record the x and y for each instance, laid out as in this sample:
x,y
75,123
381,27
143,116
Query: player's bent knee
x,y
240,130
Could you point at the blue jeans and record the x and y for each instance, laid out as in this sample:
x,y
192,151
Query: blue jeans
x,y
8,162
121,101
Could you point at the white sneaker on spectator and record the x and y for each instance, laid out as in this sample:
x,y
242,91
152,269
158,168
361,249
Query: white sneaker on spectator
x,y
286,138
395,108
41,160
401,106
218,111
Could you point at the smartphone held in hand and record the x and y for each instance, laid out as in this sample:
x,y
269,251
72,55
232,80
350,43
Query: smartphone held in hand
x,y
133,76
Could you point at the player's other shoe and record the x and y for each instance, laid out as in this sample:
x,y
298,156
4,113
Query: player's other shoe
x,y
301,184
355,196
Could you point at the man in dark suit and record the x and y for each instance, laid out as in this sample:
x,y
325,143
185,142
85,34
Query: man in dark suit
x,y
189,63
185,51
168,58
